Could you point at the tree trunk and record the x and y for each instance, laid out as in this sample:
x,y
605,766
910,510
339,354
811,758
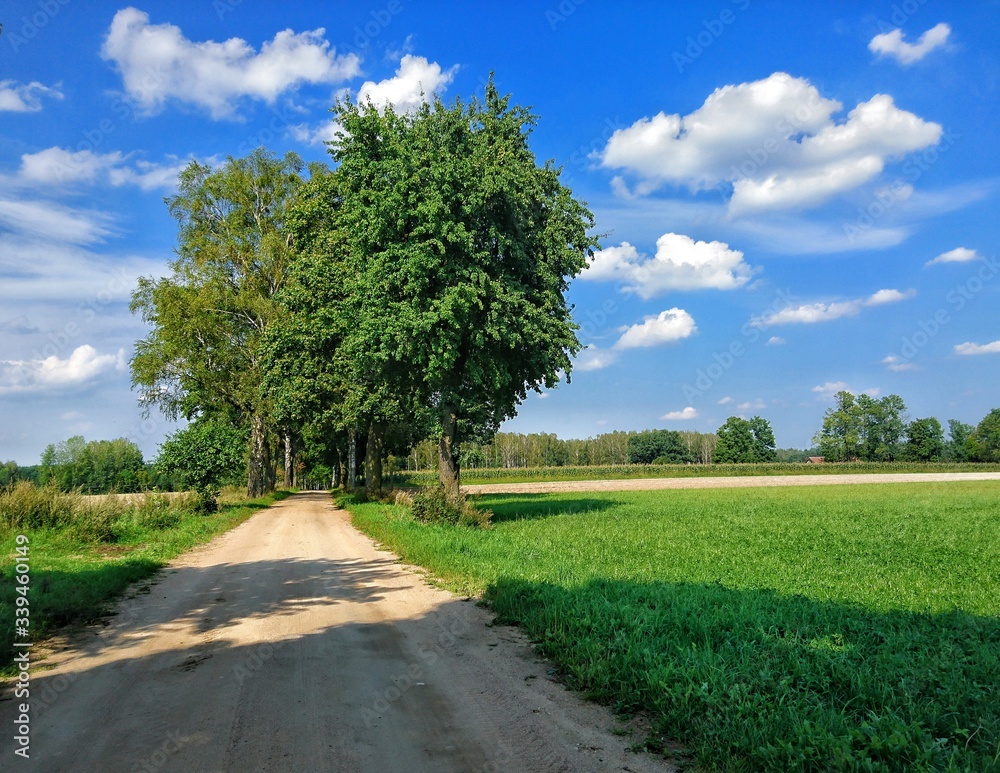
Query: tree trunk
x,y
352,460
373,460
337,470
447,452
289,461
257,469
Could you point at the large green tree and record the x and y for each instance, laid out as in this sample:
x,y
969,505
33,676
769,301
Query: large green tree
x,y
460,247
745,441
957,448
984,443
924,440
202,356
863,427
664,445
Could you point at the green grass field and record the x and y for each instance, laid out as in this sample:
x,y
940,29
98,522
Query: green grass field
x,y
75,577
855,628
471,477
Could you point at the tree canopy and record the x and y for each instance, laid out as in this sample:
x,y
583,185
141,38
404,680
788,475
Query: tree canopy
x,y
202,356
434,262
745,441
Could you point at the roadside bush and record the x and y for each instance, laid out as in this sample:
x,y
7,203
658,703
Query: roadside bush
x,y
434,505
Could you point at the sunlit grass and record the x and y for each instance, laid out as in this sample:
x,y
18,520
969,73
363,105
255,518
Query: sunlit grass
x,y
819,628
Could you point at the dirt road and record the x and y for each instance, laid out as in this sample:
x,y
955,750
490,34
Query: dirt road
x,y
292,644
748,481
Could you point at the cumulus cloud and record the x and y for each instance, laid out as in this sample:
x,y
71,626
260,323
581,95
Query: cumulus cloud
x,y
685,414
892,44
81,367
593,358
158,63
26,98
774,140
414,83
957,255
828,390
666,327
752,405
58,166
811,313
888,296
775,341
680,263
897,364
726,400
970,348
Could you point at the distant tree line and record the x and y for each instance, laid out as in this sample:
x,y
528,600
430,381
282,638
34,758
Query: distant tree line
x,y
94,467
865,428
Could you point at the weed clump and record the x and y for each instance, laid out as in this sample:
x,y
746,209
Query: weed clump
x,y
435,505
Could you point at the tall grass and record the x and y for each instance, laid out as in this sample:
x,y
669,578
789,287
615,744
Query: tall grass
x,y
764,629
25,506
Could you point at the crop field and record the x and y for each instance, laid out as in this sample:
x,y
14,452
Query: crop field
x,y
838,628
476,476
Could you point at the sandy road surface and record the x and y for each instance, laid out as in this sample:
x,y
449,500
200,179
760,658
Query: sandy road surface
x,y
749,481
292,644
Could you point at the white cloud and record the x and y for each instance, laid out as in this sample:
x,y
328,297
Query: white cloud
x,y
970,348
26,98
680,263
666,327
888,296
52,373
775,140
685,414
752,405
726,400
828,390
57,166
593,358
414,83
775,341
957,255
892,44
897,364
51,222
157,63
811,313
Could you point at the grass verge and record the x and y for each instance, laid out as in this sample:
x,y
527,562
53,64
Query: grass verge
x,y
472,477
767,629
81,565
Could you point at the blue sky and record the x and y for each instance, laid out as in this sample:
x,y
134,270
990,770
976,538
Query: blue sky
x,y
796,198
